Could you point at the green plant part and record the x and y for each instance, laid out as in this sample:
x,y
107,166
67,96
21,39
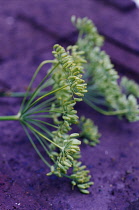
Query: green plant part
x,y
80,177
82,72
67,99
129,87
104,94
89,132
66,61
49,117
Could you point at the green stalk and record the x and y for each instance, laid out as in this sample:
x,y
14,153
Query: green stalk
x,y
20,94
42,111
96,100
38,124
40,121
36,149
42,105
33,78
43,136
39,116
39,86
47,94
42,144
9,118
103,111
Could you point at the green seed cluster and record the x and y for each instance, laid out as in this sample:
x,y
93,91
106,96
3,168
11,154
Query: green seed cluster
x,y
68,73
72,71
101,77
129,87
89,132
81,177
64,159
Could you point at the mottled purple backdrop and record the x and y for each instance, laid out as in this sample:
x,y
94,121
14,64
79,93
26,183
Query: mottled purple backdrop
x,y
28,30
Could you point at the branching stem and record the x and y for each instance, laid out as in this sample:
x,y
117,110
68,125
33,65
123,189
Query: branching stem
x,y
43,136
106,112
36,149
47,94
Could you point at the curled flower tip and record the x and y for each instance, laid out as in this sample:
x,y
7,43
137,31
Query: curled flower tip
x,y
80,177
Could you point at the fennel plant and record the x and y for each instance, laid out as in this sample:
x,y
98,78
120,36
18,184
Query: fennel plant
x,y
56,104
81,72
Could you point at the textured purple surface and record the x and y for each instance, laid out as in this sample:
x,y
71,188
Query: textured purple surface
x,y
28,30
125,5
52,20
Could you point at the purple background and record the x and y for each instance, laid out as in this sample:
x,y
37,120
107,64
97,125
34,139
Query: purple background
x,y
28,30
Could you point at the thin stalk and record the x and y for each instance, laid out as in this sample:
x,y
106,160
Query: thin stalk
x,y
9,118
41,126
39,86
46,84
42,144
20,94
45,143
44,104
93,93
95,100
67,176
43,136
40,121
40,98
39,116
33,78
36,149
106,112
42,111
